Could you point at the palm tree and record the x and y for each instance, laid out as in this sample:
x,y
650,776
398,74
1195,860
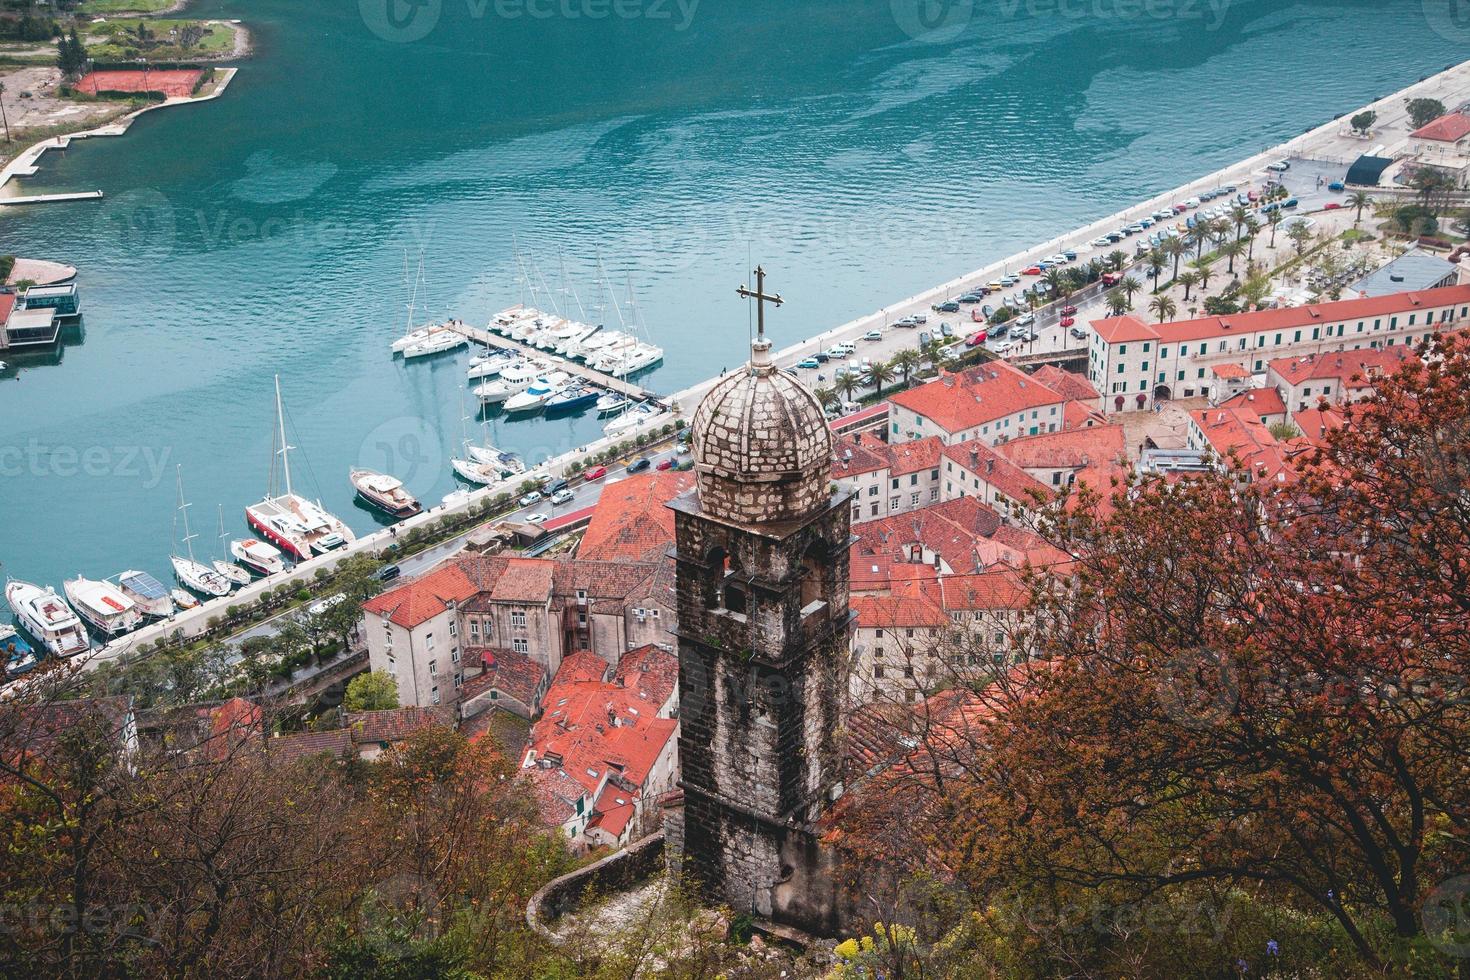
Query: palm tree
x,y
827,398
1205,272
881,373
1239,213
1300,236
1273,219
847,385
1174,247
907,361
1156,259
1359,200
1232,250
1129,285
1117,258
1117,303
1163,307
1188,280
1252,228
1054,280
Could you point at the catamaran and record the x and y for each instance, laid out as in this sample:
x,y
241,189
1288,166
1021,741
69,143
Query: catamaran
x,y
103,606
147,593
257,556
223,565
47,617
541,390
193,574
384,492
290,522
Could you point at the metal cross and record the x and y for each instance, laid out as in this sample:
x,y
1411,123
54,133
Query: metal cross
x,y
761,297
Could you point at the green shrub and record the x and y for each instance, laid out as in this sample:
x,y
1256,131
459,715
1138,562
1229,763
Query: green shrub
x,y
302,594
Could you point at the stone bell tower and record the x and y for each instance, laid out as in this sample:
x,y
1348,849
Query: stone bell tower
x,y
761,546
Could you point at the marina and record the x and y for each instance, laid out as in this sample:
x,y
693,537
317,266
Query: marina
x,y
600,379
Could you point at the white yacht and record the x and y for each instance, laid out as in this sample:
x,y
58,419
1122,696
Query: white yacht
x,y
597,344
631,419
611,402
47,617
103,606
629,360
490,364
236,575
257,556
442,340
147,593
291,522
517,377
509,464
482,473
418,336
536,395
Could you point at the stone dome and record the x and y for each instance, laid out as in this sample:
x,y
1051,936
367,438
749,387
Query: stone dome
x,y
762,448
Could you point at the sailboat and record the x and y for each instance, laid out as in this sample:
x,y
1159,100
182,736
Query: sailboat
x,y
471,466
291,522
194,574
234,573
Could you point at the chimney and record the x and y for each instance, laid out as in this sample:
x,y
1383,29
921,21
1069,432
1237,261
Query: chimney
x,y
990,465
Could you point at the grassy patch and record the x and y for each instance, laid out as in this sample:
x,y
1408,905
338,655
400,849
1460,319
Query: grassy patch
x,y
118,40
124,6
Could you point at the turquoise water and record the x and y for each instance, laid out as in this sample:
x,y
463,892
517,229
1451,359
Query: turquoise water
x,y
266,232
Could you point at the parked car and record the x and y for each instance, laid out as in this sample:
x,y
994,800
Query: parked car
x,y
945,330
921,318
1010,280
971,297
924,337
1071,255
948,306
1069,311
535,518
1025,320
821,357
810,363
1279,167
1005,347
1336,187
978,316
996,286
1332,206
999,329
873,335
1078,332
640,464
907,321
1290,202
1067,321
596,473
387,573
1111,278
1031,270
664,464
976,339
530,498
554,486
562,497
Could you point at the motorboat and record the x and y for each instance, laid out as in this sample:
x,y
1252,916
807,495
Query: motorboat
x,y
490,365
513,379
236,575
103,606
509,464
578,395
297,526
599,343
257,556
482,473
147,593
538,393
438,342
46,616
631,419
190,572
15,653
629,360
384,492
183,599
611,402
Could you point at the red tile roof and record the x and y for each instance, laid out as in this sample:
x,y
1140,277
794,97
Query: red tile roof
x,y
1065,383
1097,457
396,724
305,745
1081,415
525,580
1449,128
630,521
509,671
866,453
994,390
420,600
581,666
1229,371
1235,435
1314,423
1257,402
1343,366
651,671
7,303
897,612
1285,318
981,459
1123,329
986,590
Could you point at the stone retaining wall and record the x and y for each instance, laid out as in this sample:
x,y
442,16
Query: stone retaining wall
x,y
613,873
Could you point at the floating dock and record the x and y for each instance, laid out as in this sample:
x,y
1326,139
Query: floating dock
x,y
53,198
479,335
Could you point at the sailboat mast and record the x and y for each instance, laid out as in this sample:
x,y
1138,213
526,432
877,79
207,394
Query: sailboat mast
x,y
184,510
281,426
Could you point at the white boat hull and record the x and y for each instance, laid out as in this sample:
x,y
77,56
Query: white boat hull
x,y
103,606
47,618
199,577
257,556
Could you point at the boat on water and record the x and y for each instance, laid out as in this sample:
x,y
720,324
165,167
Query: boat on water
x,y
147,593
384,492
46,616
257,556
490,365
599,343
538,393
190,572
15,653
184,599
513,379
297,526
509,464
482,473
236,575
103,606
611,402
629,360
631,418
571,398
438,342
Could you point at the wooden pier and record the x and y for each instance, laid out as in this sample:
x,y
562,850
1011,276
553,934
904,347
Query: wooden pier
x,y
52,198
479,335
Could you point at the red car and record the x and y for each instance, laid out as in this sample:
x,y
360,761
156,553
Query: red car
x,y
1111,278
1069,311
977,314
1068,321
976,339
596,473
665,464
1332,206
1251,195
1031,270
1180,208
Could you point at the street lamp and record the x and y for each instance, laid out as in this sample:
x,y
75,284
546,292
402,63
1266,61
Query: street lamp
x,y
144,63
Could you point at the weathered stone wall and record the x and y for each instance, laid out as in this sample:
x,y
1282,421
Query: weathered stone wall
x,y
616,872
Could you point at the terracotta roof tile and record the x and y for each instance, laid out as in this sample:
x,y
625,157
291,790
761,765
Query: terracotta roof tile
x,y
505,670
650,671
1355,368
396,724
1257,402
1065,383
420,600
994,390
1449,128
630,521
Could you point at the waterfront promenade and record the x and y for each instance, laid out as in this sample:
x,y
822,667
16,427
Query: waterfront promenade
x,y
1327,141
